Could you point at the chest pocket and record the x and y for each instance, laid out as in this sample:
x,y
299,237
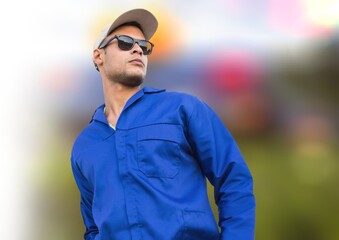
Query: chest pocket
x,y
158,150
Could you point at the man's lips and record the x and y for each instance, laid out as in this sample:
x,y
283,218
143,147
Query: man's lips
x,y
137,61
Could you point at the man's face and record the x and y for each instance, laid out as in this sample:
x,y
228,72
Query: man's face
x,y
125,67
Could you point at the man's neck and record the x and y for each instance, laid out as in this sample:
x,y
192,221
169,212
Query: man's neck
x,y
116,96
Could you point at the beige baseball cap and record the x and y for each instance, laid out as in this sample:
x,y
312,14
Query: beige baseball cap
x,y
146,19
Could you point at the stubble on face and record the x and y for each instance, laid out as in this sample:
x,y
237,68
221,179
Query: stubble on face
x,y
125,78
128,80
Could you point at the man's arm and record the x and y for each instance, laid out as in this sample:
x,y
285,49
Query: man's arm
x,y
224,166
86,197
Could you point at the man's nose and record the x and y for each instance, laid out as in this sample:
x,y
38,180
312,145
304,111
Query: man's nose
x,y
137,49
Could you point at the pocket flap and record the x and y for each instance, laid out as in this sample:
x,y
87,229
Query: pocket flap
x,y
168,132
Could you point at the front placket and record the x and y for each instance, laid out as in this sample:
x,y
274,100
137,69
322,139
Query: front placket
x,y
128,184
125,168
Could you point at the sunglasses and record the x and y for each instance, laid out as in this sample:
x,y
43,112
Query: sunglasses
x,y
126,43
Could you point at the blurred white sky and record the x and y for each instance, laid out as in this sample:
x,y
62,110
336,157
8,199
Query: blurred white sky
x,y
38,34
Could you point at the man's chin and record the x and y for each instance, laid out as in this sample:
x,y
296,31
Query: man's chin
x,y
132,81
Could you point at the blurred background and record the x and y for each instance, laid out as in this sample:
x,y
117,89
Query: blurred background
x,y
269,68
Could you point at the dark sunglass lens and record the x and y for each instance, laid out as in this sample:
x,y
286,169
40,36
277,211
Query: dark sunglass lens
x,y
125,43
146,47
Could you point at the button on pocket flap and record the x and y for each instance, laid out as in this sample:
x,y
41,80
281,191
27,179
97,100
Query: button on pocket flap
x,y
167,132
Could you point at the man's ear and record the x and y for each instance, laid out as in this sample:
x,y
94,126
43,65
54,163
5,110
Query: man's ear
x,y
97,59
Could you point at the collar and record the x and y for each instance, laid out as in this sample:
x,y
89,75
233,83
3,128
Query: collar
x,y
152,90
99,114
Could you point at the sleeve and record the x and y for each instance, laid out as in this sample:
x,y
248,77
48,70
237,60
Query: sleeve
x,y
86,197
222,163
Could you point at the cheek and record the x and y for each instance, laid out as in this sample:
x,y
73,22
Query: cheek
x,y
115,62
113,56
145,60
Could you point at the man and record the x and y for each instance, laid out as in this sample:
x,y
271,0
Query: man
x,y
142,162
